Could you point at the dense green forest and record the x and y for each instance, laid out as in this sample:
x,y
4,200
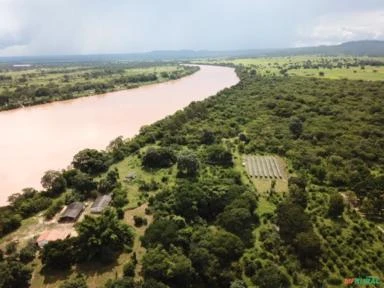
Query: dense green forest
x,y
211,227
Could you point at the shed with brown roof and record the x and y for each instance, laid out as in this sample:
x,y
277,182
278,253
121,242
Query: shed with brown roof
x,y
72,212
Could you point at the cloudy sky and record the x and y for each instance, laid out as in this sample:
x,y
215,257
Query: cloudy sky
x,y
51,27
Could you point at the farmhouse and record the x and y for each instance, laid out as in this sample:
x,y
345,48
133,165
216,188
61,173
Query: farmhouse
x,y
72,212
101,203
51,235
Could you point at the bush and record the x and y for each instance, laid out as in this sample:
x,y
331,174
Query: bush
x,y
27,254
271,277
129,269
140,221
11,248
158,158
53,209
218,155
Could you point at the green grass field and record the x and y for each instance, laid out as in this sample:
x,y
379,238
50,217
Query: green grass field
x,y
343,67
370,73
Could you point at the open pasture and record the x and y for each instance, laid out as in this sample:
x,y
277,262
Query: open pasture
x,y
331,67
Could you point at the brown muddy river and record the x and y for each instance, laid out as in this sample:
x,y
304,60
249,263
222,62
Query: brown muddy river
x,y
38,138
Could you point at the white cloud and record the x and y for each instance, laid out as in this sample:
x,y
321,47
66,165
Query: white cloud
x,y
11,32
335,29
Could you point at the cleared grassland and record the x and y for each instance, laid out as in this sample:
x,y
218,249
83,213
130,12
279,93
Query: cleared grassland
x,y
337,67
369,73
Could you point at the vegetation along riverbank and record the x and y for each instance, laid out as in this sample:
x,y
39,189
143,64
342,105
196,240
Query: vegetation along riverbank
x,y
37,84
187,208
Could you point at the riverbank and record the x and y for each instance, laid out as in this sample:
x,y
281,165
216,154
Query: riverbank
x,y
23,87
47,136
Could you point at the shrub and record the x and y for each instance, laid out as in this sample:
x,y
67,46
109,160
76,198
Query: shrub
x,y
140,221
335,281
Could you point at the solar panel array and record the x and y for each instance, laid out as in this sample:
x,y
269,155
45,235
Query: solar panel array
x,y
263,167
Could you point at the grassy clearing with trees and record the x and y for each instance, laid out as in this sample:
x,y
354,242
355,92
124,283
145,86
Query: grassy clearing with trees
x,y
211,226
331,67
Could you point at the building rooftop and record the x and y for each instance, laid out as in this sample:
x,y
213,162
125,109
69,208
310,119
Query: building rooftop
x,y
101,203
72,211
52,235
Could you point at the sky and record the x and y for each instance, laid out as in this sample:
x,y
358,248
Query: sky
x,y
58,27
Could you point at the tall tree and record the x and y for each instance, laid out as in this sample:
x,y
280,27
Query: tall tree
x,y
54,182
90,161
292,220
336,205
103,237
187,164
14,274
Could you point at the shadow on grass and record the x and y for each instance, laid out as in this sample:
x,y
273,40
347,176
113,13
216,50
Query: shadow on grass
x,y
53,275
89,269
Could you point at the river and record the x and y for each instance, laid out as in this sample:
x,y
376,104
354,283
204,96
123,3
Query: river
x,y
38,138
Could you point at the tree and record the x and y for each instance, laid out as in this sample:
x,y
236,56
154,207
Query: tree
x,y
54,182
208,137
125,282
218,155
226,246
116,149
187,164
11,248
207,266
172,268
83,184
139,221
110,182
101,238
292,220
296,127
158,158
238,284
162,231
206,199
119,197
14,274
59,254
152,283
9,222
27,253
336,205
90,161
308,247
238,221
298,195
271,276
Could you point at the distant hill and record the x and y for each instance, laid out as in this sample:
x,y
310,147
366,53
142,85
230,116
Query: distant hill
x,y
355,48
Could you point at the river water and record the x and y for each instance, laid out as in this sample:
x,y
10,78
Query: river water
x,y
38,138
